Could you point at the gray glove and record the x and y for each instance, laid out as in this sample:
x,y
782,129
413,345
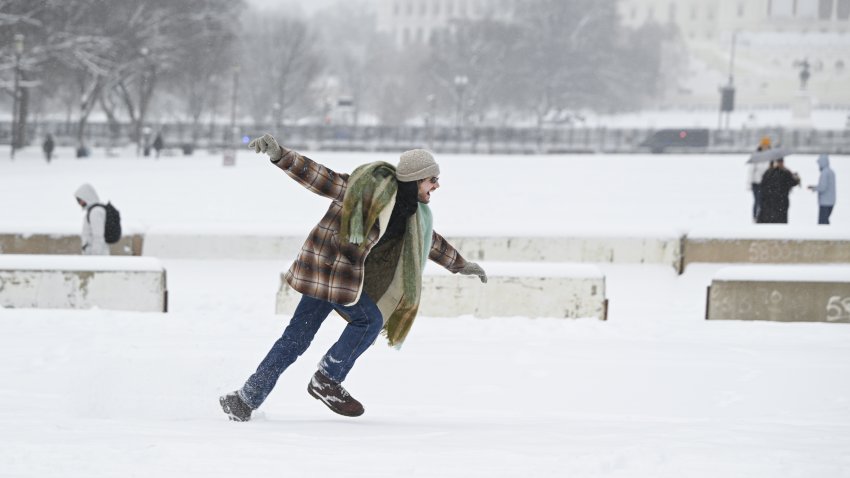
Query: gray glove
x,y
473,269
267,144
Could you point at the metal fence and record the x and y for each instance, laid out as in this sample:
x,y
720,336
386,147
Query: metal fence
x,y
475,140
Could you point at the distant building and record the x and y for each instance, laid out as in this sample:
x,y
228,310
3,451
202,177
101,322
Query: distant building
x,y
773,38
421,22
704,18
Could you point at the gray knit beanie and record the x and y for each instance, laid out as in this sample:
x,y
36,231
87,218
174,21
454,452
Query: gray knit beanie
x,y
416,164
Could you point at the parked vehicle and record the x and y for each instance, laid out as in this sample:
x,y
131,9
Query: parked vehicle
x,y
677,140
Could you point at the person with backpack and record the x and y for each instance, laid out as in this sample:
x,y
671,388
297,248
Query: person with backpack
x,y
101,222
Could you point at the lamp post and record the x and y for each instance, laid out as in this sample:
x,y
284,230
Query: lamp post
x,y
727,93
143,51
232,135
229,149
278,120
460,84
16,102
431,118
214,106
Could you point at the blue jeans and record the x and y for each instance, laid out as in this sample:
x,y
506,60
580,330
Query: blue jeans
x,y
364,324
824,213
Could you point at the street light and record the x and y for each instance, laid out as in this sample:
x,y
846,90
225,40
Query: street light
x,y
141,139
214,106
229,158
234,93
727,93
278,120
16,102
460,84
431,118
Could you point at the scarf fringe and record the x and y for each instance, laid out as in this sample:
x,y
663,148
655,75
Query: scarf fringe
x,y
414,253
356,233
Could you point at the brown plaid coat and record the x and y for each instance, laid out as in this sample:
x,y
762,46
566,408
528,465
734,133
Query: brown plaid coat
x,y
326,269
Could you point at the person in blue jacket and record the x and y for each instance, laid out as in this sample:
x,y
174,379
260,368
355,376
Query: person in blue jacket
x,y
826,189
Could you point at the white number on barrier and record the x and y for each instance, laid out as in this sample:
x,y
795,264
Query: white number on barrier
x,y
838,309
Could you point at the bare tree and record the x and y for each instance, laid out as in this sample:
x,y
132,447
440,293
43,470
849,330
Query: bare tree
x,y
356,54
471,66
62,46
19,20
559,53
549,56
144,48
207,48
282,57
653,57
113,49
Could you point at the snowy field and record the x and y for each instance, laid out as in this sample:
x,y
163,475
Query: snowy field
x,y
656,391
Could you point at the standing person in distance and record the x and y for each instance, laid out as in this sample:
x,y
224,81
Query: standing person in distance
x,y
47,147
826,190
158,143
94,222
364,260
756,172
776,185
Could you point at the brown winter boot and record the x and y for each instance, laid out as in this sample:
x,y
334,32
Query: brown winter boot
x,y
334,396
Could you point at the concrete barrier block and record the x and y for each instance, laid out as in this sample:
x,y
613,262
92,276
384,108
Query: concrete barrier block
x,y
208,242
766,244
82,282
799,293
663,249
519,289
62,240
221,243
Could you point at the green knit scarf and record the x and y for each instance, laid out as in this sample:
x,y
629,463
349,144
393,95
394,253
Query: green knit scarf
x,y
371,188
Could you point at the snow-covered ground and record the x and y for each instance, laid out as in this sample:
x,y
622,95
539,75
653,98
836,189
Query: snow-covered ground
x,y
656,391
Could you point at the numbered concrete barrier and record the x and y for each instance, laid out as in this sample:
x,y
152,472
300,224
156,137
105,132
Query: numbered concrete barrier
x,y
82,282
798,293
655,248
63,240
208,242
513,290
211,242
768,243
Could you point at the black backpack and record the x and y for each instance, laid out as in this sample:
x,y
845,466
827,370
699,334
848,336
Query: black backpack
x,y
112,228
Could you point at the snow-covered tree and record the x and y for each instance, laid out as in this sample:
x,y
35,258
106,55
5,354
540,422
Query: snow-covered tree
x,y
113,50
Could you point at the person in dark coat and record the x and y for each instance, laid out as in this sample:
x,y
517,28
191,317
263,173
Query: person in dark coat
x,y
776,185
158,143
47,147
